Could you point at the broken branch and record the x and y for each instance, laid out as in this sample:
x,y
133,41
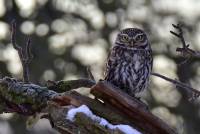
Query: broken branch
x,y
133,109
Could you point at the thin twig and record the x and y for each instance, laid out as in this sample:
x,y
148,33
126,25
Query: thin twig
x,y
185,51
28,50
194,92
25,56
180,34
91,76
27,59
13,40
64,86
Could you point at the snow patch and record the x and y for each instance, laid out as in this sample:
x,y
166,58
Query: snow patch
x,y
84,109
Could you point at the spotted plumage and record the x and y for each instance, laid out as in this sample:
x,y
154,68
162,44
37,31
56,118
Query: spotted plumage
x,y
129,63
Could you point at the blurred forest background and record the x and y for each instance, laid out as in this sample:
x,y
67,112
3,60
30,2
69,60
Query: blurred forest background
x,y
69,35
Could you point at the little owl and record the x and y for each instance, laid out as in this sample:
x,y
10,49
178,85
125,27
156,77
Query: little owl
x,y
129,63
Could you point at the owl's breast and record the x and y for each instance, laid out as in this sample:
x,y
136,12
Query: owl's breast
x,y
135,60
128,70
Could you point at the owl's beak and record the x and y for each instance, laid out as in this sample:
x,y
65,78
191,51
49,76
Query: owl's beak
x,y
132,42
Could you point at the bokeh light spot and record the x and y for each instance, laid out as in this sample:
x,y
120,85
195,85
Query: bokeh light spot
x,y
42,29
27,27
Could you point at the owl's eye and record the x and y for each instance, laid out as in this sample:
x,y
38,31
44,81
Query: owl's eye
x,y
124,38
139,37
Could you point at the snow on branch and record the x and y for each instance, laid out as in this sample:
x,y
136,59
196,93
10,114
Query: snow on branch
x,y
132,108
126,129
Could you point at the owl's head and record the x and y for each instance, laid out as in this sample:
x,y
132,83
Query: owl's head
x,y
132,38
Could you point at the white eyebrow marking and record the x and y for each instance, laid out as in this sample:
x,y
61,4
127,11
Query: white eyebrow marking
x,y
134,37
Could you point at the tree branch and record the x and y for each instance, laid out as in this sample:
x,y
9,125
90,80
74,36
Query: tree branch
x,y
28,98
26,56
185,51
22,98
90,74
194,94
117,107
64,86
131,108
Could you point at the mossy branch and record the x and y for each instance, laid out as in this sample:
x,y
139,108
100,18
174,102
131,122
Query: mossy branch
x,y
28,98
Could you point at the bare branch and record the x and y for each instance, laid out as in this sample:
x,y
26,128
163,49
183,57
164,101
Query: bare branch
x,y
194,93
26,61
180,34
25,56
13,39
90,74
63,86
28,50
185,51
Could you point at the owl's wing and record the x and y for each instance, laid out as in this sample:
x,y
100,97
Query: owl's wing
x,y
111,63
150,59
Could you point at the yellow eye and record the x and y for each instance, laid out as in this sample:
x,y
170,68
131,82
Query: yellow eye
x,y
139,37
124,38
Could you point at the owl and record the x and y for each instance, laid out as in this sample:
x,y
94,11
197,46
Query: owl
x,y
129,62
